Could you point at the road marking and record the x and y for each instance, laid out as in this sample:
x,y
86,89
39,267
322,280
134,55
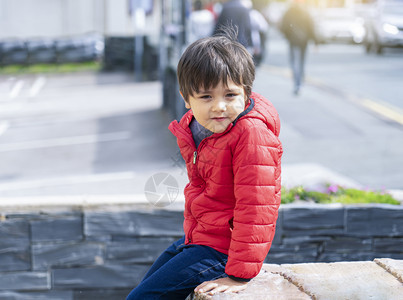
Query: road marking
x,y
383,109
66,141
16,89
36,87
386,110
4,125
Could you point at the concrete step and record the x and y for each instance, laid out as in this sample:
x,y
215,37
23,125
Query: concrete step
x,y
378,279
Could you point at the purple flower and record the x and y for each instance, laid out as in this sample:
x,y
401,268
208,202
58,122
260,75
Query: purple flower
x,y
333,189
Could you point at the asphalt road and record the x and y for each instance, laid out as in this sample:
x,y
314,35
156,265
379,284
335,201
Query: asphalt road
x,y
348,69
349,116
103,134
81,134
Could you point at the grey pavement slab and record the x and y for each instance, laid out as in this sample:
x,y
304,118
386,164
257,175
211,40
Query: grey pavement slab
x,y
341,281
267,285
344,280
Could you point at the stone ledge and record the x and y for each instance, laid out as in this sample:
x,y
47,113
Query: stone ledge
x,y
378,279
80,201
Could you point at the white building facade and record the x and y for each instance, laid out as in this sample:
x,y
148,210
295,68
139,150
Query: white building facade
x,y
58,18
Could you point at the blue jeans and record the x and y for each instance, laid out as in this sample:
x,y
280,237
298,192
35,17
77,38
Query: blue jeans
x,y
297,61
178,270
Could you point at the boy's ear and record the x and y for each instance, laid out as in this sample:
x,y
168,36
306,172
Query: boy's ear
x,y
186,102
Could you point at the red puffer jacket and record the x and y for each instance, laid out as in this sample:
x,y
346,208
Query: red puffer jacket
x,y
233,194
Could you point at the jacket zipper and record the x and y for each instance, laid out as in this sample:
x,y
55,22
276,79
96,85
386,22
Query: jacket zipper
x,y
194,157
189,237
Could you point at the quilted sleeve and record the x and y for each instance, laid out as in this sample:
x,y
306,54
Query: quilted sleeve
x,y
257,188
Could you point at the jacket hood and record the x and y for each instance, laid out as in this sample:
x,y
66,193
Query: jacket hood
x,y
258,107
265,111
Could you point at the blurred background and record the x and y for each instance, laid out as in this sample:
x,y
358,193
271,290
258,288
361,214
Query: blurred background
x,y
88,88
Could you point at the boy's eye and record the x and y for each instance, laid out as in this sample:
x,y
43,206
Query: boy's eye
x,y
230,95
205,97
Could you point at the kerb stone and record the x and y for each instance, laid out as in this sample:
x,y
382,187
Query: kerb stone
x,y
137,250
69,228
103,277
21,281
100,294
147,223
51,295
313,221
14,229
45,256
384,220
15,254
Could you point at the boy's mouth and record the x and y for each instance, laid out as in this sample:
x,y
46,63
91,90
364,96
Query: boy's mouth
x,y
219,119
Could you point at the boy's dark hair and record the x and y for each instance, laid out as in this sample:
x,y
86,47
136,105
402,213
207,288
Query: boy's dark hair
x,y
212,60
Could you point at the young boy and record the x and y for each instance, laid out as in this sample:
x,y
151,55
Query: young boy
x,y
229,141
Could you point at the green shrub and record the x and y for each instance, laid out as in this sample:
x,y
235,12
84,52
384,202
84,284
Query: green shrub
x,y
50,68
336,194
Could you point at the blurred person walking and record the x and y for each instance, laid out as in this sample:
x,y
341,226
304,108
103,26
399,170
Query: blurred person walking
x,y
215,7
251,25
298,28
201,22
259,30
236,13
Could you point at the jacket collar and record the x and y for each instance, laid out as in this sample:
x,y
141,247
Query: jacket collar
x,y
246,111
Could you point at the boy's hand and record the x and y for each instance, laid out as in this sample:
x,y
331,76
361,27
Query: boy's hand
x,y
226,285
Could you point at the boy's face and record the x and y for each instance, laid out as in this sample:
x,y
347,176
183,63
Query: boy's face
x,y
217,107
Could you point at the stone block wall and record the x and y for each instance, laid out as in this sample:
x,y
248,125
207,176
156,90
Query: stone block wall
x,y
82,254
332,233
101,253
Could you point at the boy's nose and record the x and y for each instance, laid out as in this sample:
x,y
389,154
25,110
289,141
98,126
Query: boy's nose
x,y
220,106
